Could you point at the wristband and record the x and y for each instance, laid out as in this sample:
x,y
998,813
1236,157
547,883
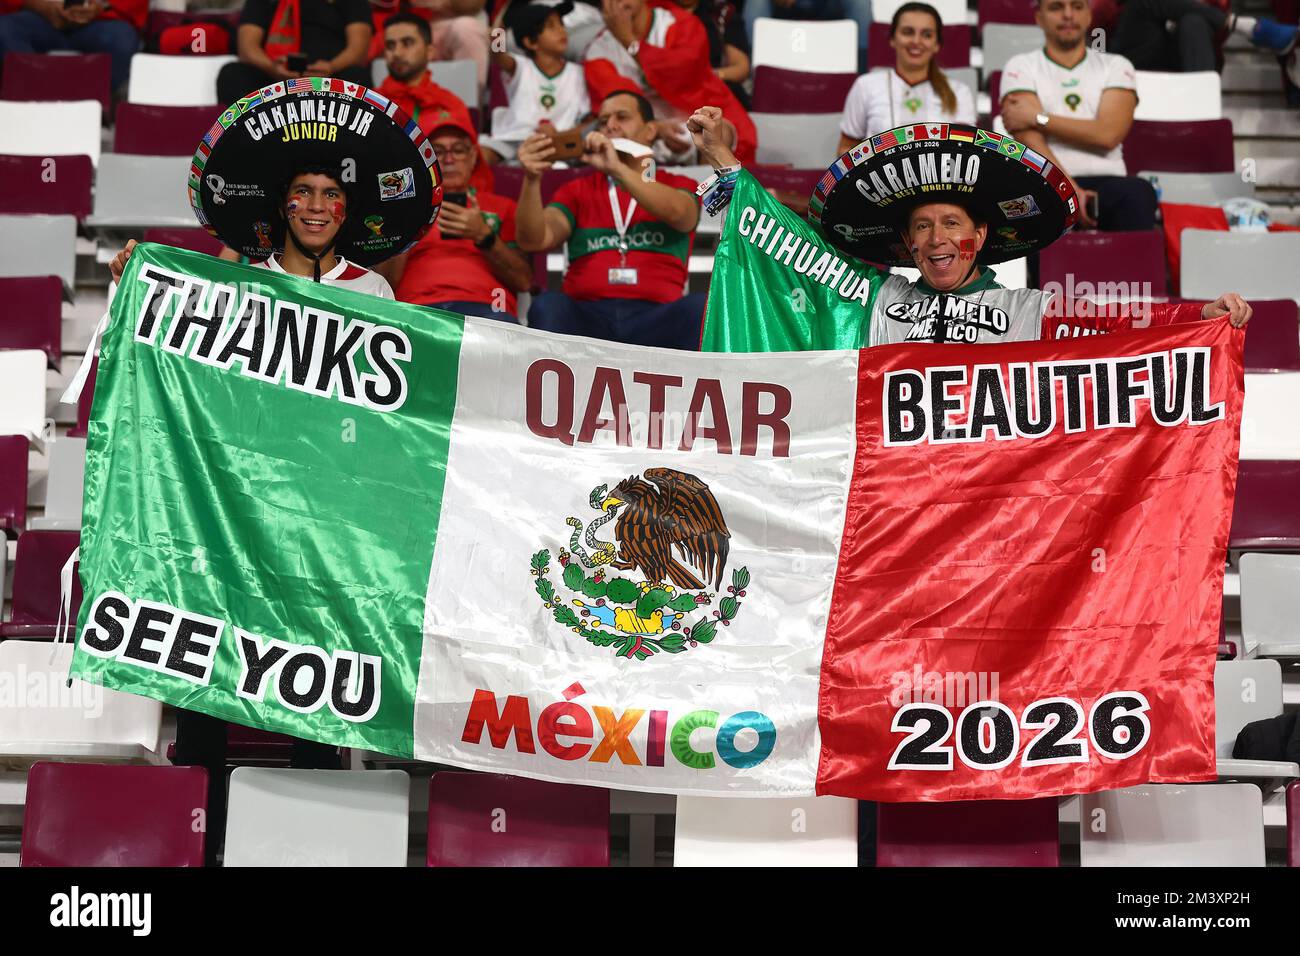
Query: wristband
x,y
486,243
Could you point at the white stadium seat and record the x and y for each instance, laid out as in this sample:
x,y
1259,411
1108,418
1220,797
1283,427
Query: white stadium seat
x,y
67,128
1259,265
142,192
317,817
22,392
83,721
459,76
1246,691
1179,97
39,246
1002,41
64,486
950,11
158,80
1200,189
1268,429
739,831
805,141
810,46
1270,603
1166,825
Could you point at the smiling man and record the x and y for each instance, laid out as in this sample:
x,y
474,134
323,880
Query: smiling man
x,y
947,199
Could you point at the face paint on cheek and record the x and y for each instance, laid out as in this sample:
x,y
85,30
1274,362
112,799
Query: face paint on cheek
x,y
966,250
292,209
336,210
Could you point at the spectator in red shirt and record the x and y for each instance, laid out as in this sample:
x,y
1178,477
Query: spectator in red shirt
x,y
332,35
409,85
468,262
629,231
41,26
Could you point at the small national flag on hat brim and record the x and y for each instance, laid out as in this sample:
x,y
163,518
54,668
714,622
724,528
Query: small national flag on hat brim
x,y
1033,160
961,135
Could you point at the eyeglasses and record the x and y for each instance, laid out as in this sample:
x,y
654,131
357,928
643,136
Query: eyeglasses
x,y
460,151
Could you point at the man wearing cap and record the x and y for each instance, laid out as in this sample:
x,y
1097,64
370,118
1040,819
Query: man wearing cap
x,y
470,262
947,199
629,231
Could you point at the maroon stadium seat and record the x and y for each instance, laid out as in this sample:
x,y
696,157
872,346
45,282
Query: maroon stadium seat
x,y
53,185
497,93
1005,11
13,484
968,833
40,561
954,53
113,815
509,180
1266,514
31,315
786,177
995,92
161,130
546,824
1193,146
1133,258
1293,824
195,240
39,76
84,402
793,91
1273,337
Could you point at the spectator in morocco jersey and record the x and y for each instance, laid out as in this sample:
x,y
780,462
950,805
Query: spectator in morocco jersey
x,y
628,228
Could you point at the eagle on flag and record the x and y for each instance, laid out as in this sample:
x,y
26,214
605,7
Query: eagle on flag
x,y
676,511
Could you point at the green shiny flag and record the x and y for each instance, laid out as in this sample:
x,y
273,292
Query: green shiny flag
x,y
779,286
246,463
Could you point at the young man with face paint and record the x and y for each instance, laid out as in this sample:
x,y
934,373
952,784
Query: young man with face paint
x,y
314,209
943,229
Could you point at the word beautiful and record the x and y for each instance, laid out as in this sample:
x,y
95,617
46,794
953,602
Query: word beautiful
x,y
309,119
554,410
277,341
1015,401
168,640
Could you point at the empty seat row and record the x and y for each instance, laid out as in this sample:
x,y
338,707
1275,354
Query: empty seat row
x,y
99,815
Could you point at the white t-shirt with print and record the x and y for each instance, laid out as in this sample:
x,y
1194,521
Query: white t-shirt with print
x,y
1075,93
882,100
534,97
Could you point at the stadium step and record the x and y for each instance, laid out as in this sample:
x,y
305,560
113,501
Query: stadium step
x,y
1266,123
1252,75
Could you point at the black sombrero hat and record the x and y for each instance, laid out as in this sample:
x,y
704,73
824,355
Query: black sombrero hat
x,y
863,201
248,156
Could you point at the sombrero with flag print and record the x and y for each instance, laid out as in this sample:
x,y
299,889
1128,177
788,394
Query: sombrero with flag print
x,y
389,170
863,201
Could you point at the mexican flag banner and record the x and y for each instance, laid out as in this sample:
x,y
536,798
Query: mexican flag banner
x,y
908,573
773,264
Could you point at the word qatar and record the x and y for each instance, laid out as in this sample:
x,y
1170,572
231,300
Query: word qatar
x,y
949,404
277,341
665,411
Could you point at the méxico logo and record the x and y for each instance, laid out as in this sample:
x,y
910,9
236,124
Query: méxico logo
x,y
646,589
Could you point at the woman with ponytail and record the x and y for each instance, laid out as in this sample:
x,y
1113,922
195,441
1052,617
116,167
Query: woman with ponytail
x,y
914,91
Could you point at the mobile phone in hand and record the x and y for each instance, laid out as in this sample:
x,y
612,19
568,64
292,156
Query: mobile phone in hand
x,y
297,62
460,199
568,143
